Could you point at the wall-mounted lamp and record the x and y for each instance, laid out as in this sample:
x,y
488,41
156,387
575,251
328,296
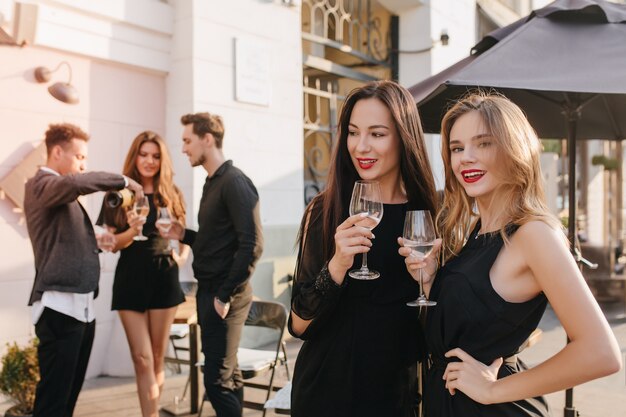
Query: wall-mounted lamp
x,y
64,92
444,38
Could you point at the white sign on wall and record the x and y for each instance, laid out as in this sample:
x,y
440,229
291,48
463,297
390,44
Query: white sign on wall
x,y
252,72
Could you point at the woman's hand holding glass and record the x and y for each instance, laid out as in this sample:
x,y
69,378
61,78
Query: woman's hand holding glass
x,y
350,239
414,262
366,199
135,221
419,235
174,231
142,209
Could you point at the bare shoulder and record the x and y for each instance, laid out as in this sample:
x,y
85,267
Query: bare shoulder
x,y
538,235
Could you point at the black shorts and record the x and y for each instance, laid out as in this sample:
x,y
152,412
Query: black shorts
x,y
146,282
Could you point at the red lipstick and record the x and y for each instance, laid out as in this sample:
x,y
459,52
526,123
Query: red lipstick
x,y
472,175
366,163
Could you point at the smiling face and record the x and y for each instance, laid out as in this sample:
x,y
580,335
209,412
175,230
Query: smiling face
x,y
474,156
148,160
373,142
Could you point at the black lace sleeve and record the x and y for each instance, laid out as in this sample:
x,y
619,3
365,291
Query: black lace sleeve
x,y
314,294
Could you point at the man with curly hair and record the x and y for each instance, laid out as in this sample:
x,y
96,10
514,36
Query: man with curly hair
x,y
67,266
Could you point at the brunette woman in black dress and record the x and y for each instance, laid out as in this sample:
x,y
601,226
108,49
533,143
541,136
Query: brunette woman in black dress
x,y
362,341
506,256
146,289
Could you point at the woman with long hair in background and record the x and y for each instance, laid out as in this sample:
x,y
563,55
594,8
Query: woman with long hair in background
x,y
146,289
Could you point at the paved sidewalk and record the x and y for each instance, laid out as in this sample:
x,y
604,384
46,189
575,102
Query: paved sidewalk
x,y
116,397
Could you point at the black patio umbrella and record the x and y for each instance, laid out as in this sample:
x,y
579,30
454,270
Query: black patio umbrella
x,y
564,65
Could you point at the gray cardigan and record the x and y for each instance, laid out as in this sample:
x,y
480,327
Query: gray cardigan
x,y
64,244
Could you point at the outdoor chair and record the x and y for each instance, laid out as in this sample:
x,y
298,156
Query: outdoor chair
x,y
258,362
177,332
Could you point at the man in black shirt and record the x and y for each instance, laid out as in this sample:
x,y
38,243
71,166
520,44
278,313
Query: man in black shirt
x,y
226,247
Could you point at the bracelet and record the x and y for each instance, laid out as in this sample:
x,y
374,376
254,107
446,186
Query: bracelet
x,y
324,283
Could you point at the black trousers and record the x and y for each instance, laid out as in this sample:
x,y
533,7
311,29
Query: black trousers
x,y
220,340
64,348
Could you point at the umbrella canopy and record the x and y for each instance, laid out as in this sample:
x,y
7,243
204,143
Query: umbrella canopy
x,y
569,56
564,65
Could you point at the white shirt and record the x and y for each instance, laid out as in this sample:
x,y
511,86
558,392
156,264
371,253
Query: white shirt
x,y
78,306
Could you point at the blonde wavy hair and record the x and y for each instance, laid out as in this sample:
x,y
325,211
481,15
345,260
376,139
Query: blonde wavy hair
x,y
521,185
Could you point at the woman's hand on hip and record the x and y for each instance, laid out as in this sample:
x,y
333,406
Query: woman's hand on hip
x,y
473,378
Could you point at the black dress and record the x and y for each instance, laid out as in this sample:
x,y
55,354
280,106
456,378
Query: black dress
x,y
471,315
361,350
146,276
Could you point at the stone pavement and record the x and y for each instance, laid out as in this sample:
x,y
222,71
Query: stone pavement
x,y
116,397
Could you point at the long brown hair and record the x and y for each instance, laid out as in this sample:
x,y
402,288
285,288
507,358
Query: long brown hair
x,y
415,169
166,194
519,150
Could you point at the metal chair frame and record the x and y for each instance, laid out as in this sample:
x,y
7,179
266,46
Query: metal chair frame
x,y
272,315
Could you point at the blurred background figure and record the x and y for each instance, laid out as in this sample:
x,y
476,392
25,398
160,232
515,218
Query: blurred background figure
x,y
67,265
226,248
146,289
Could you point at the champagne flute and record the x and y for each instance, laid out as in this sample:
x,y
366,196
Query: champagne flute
x,y
366,198
104,237
142,208
164,222
419,235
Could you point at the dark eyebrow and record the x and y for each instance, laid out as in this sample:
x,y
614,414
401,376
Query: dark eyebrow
x,y
475,137
372,127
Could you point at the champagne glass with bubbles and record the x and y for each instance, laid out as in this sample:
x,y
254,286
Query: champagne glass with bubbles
x,y
164,222
366,198
419,235
142,208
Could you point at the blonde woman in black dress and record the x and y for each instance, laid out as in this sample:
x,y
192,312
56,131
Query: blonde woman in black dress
x,y
506,257
146,289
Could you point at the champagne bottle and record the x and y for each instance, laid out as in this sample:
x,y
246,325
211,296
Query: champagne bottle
x,y
119,198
